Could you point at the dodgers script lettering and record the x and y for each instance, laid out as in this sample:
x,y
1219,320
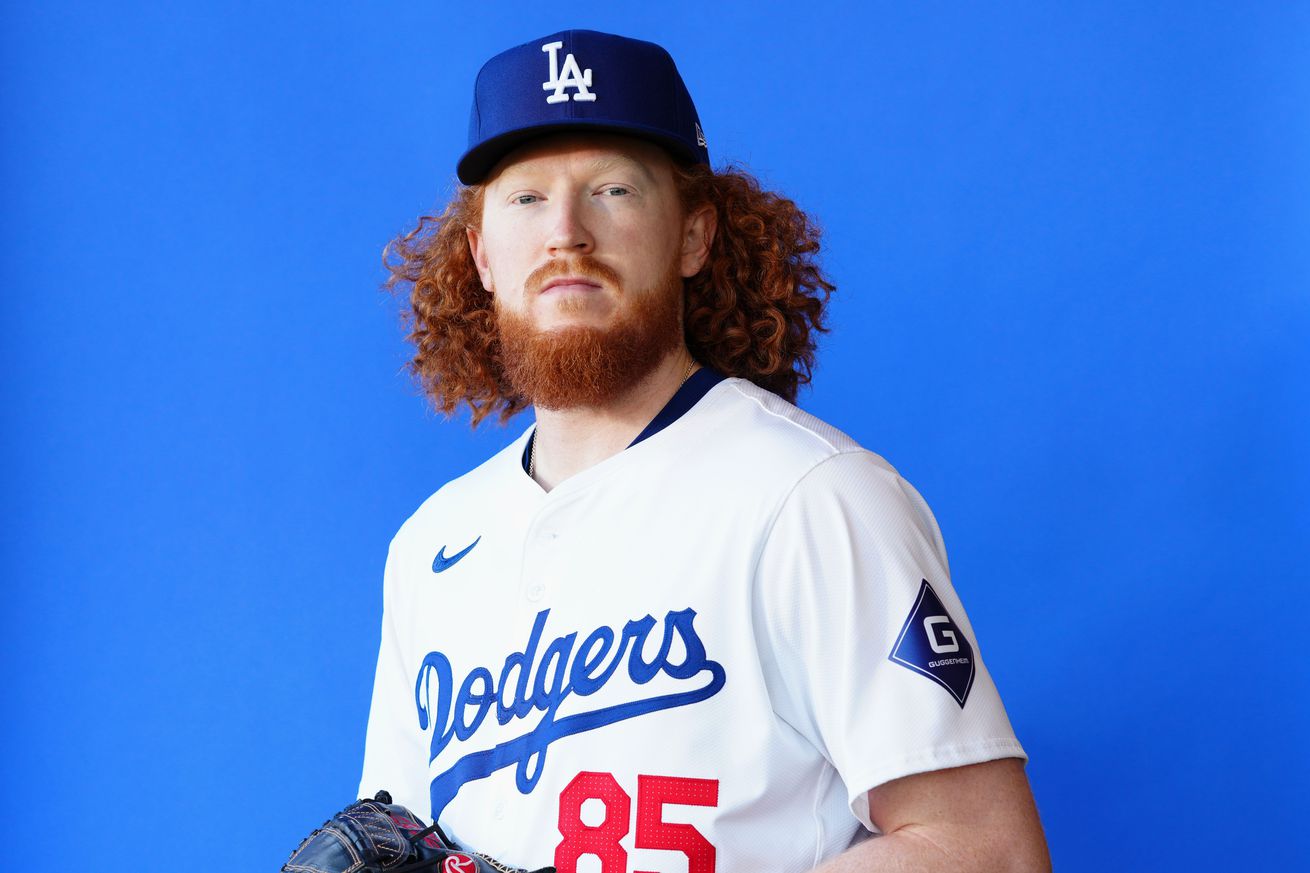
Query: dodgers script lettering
x,y
526,685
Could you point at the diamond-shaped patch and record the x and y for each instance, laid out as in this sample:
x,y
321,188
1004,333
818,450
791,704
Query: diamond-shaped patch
x,y
932,644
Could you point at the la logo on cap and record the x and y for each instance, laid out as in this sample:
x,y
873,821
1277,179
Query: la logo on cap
x,y
570,77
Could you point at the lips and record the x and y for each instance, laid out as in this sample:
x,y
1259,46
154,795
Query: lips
x,y
570,283
582,274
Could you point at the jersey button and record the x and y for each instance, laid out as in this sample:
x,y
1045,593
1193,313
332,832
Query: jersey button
x,y
535,591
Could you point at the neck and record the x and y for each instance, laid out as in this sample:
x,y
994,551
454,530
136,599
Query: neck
x,y
568,441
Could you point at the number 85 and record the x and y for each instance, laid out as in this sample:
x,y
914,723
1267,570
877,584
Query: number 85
x,y
653,792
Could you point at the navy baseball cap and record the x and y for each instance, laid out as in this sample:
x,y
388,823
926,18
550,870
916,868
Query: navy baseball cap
x,y
579,80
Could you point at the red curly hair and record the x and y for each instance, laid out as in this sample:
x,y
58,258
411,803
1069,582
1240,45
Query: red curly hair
x,y
752,311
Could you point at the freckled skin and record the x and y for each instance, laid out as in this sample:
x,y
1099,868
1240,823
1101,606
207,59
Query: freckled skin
x,y
607,197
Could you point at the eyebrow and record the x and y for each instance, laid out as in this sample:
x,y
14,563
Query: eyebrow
x,y
598,165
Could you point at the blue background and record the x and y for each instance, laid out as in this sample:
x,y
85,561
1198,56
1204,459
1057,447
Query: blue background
x,y
1073,255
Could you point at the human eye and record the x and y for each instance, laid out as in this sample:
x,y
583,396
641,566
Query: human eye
x,y
523,199
616,191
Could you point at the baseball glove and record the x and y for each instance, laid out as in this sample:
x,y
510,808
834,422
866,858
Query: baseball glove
x,y
377,836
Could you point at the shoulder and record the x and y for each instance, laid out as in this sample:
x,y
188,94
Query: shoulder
x,y
813,468
786,424
763,431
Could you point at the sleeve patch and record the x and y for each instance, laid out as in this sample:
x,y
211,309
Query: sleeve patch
x,y
932,644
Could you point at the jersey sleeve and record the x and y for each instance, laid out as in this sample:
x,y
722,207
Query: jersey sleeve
x,y
394,755
866,648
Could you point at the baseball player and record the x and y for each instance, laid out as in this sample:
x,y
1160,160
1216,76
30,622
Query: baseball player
x,y
677,624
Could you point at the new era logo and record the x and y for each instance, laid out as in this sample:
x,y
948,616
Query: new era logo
x,y
932,645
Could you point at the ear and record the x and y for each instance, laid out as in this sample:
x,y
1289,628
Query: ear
x,y
698,230
479,252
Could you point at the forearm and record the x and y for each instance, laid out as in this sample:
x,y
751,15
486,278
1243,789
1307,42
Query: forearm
x,y
915,849
975,819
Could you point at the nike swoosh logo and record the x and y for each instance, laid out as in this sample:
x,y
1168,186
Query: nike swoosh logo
x,y
441,562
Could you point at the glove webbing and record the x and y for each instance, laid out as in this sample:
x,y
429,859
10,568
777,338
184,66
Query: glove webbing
x,y
430,829
434,863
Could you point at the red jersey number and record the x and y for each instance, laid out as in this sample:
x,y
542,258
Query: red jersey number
x,y
653,793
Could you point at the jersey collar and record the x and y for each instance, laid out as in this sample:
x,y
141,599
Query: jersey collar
x,y
683,399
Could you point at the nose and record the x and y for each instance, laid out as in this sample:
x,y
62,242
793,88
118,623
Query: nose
x,y
569,235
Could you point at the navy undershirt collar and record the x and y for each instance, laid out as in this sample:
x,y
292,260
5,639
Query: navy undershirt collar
x,y
684,399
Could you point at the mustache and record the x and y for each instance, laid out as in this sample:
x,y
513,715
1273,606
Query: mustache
x,y
584,266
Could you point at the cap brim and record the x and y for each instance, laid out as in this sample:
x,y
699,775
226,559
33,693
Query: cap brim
x,y
477,162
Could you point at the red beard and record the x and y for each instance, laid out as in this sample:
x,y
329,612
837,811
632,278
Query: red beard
x,y
590,366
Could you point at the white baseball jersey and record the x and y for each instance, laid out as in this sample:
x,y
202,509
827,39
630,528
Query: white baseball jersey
x,y
697,655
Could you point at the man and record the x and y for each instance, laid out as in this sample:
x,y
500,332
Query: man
x,y
678,623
